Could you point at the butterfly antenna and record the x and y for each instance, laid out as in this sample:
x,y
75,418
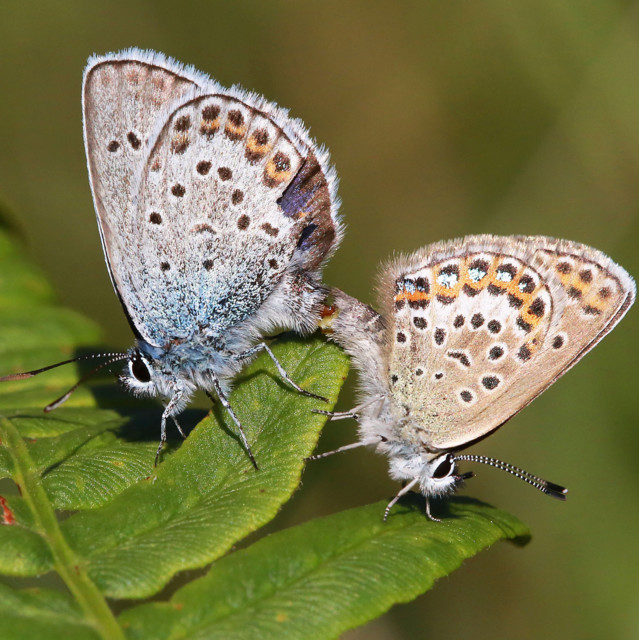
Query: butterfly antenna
x,y
113,357
549,488
35,372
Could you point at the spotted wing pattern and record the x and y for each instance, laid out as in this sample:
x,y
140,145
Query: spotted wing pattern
x,y
482,325
206,197
123,99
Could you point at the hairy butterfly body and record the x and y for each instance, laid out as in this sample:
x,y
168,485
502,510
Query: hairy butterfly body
x,y
471,331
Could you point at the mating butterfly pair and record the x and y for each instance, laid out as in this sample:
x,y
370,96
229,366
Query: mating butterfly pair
x,y
217,213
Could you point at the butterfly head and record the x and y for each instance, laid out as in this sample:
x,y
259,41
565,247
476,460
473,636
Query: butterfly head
x,y
442,476
436,475
147,375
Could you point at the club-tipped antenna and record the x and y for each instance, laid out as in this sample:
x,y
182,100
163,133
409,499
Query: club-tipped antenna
x,y
549,488
113,357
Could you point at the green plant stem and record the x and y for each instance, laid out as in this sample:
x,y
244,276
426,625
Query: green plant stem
x,y
67,564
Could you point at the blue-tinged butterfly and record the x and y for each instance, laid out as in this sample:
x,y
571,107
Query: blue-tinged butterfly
x,y
216,212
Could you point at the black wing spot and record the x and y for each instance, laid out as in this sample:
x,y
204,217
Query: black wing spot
x,y
134,141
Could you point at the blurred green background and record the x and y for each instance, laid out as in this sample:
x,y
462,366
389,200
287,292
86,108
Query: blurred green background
x,y
443,119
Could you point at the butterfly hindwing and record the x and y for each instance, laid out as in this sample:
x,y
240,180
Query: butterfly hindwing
x,y
483,325
205,196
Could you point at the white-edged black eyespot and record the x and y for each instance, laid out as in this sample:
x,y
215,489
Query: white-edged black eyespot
x,y
139,369
445,468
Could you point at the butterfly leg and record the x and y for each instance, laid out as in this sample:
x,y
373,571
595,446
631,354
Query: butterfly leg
x,y
354,412
346,447
168,412
238,424
179,428
337,415
403,491
345,415
162,440
262,346
429,514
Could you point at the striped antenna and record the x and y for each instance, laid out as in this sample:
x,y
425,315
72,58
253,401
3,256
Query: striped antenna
x,y
549,488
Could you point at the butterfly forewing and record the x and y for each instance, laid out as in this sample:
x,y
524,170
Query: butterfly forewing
x,y
485,324
123,100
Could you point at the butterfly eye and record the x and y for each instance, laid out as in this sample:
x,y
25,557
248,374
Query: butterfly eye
x,y
139,370
444,468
